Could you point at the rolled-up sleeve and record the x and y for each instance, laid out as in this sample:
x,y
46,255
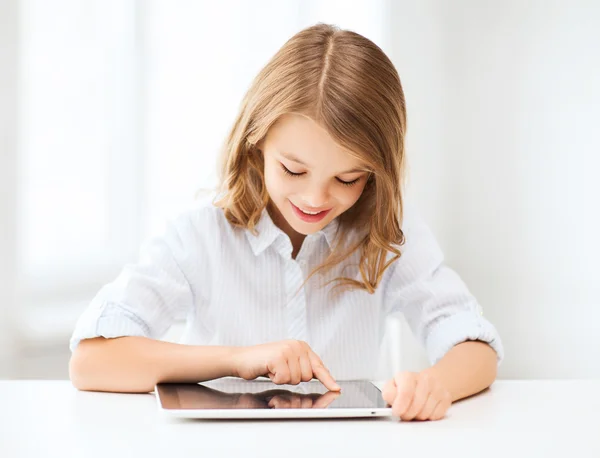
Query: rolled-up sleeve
x,y
435,301
149,296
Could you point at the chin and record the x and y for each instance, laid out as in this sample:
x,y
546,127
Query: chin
x,y
306,228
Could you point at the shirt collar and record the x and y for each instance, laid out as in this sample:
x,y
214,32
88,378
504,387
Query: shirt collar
x,y
267,234
330,232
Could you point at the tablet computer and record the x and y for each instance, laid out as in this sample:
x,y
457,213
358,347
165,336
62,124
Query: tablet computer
x,y
238,398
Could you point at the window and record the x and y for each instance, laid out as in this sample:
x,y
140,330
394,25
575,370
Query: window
x,y
124,105
79,187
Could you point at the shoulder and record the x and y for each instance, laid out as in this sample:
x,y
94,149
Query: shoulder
x,y
420,253
204,214
199,222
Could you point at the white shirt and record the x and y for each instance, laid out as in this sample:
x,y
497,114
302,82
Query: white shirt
x,y
236,288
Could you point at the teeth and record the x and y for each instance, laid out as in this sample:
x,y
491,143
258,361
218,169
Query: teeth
x,y
309,213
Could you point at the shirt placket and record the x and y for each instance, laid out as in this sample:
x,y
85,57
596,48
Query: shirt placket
x,y
296,304
295,309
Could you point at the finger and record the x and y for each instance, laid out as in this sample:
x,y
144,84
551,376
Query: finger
x,y
322,373
305,368
440,411
324,401
280,373
405,389
389,392
428,408
295,372
296,402
421,394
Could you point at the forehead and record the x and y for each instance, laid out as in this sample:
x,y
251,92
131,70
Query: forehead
x,y
301,137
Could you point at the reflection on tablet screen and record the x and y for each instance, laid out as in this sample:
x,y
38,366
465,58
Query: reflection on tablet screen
x,y
242,394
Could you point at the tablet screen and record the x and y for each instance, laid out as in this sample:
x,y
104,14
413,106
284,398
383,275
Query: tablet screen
x,y
255,394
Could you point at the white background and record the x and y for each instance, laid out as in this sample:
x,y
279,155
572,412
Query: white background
x,y
504,104
112,113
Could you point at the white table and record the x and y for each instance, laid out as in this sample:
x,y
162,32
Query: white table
x,y
512,419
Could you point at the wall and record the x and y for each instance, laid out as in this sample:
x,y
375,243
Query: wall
x,y
503,103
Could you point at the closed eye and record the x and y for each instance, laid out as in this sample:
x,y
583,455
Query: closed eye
x,y
294,174
289,172
348,183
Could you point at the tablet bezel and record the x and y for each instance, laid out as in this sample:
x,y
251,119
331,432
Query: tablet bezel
x,y
232,413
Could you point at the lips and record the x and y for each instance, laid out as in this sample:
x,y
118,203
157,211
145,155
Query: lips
x,y
309,217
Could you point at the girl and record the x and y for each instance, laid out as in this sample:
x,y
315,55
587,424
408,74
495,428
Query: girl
x,y
292,271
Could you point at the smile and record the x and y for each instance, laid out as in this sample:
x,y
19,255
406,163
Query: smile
x,y
308,216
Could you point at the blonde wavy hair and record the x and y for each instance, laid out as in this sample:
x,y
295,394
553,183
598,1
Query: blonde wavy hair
x,y
346,84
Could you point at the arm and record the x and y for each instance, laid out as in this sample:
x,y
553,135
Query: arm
x,y
136,364
435,301
463,347
114,344
467,369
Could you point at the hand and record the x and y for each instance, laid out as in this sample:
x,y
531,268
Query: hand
x,y
284,362
420,396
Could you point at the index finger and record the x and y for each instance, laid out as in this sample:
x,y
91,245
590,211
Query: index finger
x,y
322,374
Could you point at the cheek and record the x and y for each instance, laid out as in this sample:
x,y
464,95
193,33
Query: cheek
x,y
348,197
276,184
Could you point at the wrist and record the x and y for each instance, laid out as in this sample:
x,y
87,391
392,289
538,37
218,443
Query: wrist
x,y
212,362
230,359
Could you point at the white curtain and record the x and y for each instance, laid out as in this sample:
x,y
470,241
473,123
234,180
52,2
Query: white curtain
x,y
123,105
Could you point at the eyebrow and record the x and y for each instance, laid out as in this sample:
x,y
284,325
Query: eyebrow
x,y
293,158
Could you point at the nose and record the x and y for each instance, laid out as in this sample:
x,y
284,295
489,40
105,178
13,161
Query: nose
x,y
315,197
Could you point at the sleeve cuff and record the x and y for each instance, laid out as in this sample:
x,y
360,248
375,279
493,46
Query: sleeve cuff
x,y
110,321
459,328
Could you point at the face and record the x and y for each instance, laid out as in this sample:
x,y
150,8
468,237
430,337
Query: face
x,y
310,179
